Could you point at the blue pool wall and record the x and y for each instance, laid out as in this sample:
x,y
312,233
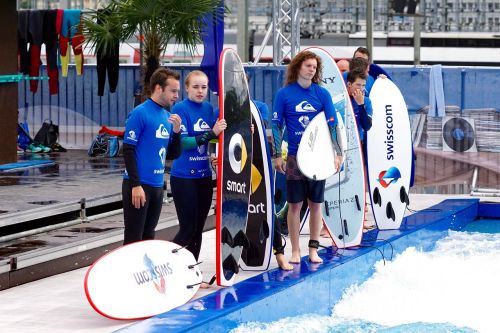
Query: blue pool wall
x,y
276,294
489,210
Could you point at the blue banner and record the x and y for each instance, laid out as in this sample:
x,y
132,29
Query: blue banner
x,y
213,41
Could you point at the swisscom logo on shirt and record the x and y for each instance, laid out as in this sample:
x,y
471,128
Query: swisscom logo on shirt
x,y
201,126
161,132
304,121
162,153
304,106
132,136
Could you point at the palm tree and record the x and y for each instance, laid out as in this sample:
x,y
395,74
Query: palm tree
x,y
159,21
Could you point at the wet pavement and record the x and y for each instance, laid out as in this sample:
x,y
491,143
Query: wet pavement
x,y
43,228
73,176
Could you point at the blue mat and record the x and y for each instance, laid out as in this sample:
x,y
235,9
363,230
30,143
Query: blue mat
x,y
21,165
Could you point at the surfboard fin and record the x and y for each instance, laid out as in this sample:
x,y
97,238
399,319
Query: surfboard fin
x,y
377,200
327,208
403,196
389,211
357,202
229,264
346,230
241,239
226,237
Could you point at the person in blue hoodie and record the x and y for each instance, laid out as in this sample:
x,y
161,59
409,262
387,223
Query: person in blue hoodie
x,y
151,136
191,175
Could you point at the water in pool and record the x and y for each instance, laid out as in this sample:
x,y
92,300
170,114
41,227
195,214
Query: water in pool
x,y
453,288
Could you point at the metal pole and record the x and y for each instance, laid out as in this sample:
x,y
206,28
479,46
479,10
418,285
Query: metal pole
x,y
242,30
416,40
417,28
295,40
369,26
276,26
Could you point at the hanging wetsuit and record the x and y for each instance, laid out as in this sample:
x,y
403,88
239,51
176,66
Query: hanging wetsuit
x,y
35,28
71,30
22,41
107,63
50,41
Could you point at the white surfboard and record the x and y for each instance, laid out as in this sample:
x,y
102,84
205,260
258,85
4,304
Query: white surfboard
x,y
141,280
389,153
316,155
343,210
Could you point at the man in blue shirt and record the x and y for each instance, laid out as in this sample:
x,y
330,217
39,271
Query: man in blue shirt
x,y
152,135
295,105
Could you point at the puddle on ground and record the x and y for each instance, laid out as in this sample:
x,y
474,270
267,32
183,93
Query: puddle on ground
x,y
24,246
43,203
90,230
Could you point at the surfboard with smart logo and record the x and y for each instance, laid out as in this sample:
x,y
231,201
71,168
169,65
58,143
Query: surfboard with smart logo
x,y
234,167
260,222
141,280
389,154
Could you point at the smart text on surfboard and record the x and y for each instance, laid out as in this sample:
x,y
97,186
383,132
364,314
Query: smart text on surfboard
x,y
255,209
233,186
389,143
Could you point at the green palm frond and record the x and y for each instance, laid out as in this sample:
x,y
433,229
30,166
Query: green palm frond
x,y
159,21
164,19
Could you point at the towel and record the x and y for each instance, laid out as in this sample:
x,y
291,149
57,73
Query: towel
x,y
436,92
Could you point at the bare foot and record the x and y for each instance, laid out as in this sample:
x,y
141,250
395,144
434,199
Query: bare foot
x,y
368,226
295,259
282,263
204,285
313,256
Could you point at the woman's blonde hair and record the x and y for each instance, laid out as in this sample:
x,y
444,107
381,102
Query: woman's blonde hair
x,y
194,73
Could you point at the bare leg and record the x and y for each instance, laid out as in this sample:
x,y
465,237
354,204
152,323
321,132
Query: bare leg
x,y
293,220
315,224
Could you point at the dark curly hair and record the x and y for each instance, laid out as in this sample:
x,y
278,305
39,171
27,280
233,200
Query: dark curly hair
x,y
294,67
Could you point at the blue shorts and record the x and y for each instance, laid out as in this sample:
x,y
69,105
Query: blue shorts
x,y
299,187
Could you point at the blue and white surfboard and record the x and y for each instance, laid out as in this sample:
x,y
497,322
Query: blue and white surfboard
x,y
389,154
344,206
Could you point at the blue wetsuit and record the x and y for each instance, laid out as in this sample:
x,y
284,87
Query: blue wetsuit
x,y
363,114
295,107
197,119
148,141
191,176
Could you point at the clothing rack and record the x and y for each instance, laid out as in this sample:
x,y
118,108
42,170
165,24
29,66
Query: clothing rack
x,y
18,77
